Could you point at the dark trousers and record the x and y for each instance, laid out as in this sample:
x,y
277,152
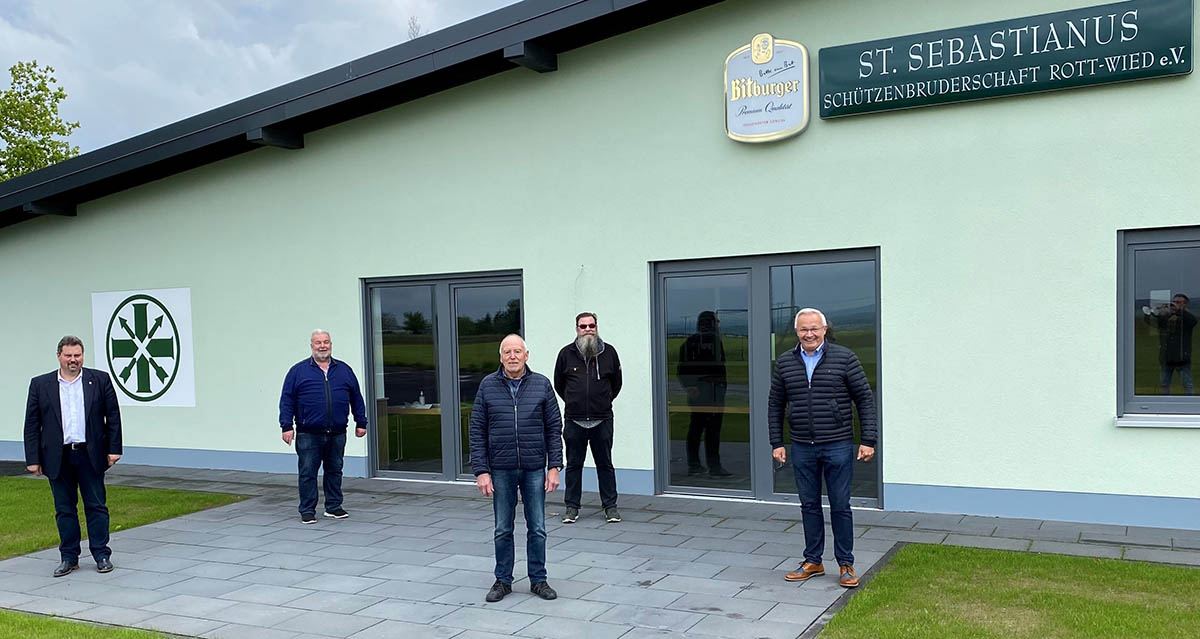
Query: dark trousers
x,y
314,451
531,484
835,462
708,425
577,439
78,477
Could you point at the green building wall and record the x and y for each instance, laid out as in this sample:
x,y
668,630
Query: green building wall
x,y
996,224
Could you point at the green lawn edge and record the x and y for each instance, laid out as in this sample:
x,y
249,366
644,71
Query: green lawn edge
x,y
936,592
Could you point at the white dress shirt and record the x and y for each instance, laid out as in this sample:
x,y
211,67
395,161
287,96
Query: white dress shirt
x,y
70,401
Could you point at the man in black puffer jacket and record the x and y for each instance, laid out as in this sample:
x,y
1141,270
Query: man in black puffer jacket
x,y
817,381
587,376
516,433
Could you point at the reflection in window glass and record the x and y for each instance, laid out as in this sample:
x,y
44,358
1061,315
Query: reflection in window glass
x,y
485,315
708,382
1165,279
407,405
845,293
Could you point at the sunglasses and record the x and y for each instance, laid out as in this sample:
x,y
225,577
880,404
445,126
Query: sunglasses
x,y
587,326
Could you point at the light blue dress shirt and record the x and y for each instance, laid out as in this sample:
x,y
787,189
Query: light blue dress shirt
x,y
811,361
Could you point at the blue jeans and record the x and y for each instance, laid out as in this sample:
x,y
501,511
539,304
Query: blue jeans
x,y
532,486
314,451
1167,371
834,461
78,477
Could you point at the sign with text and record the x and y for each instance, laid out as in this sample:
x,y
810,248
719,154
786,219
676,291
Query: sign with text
x,y
766,90
143,339
1116,42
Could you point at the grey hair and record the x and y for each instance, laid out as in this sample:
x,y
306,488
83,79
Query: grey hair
x,y
69,340
809,311
319,331
523,344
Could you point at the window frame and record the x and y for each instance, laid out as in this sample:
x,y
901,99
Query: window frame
x,y
1173,407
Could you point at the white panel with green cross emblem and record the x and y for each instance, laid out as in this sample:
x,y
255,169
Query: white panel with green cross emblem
x,y
144,341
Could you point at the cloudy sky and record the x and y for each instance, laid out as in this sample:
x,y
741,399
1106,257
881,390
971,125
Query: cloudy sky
x,y
130,66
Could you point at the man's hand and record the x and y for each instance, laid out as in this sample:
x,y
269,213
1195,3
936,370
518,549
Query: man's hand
x,y
112,459
287,436
360,432
780,455
35,469
552,480
483,482
865,453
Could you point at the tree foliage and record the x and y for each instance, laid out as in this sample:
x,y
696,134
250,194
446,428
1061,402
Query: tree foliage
x,y
30,126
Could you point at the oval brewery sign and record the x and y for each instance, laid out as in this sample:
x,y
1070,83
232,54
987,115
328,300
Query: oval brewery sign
x,y
766,90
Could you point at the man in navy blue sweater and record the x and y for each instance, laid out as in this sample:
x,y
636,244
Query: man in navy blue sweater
x,y
318,393
516,446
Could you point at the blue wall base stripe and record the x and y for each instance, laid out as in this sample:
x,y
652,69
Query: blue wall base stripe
x,y
1098,508
202,458
629,480
1102,508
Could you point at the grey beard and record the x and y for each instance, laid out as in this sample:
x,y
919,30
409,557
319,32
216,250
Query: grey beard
x,y
588,345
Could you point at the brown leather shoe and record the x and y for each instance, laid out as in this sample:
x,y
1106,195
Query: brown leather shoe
x,y
848,580
805,572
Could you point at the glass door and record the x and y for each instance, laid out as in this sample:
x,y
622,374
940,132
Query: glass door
x,y
845,293
407,401
484,315
432,340
720,325
706,325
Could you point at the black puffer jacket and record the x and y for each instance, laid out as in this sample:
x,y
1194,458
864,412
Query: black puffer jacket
x,y
820,411
587,388
509,434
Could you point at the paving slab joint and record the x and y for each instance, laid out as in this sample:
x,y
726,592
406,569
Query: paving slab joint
x,y
821,621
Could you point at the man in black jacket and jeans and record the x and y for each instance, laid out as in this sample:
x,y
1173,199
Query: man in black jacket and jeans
x,y
817,382
587,376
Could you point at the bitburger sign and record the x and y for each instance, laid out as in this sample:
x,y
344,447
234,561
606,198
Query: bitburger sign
x,y
766,90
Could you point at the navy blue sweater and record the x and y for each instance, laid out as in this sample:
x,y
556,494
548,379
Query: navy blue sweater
x,y
316,403
510,433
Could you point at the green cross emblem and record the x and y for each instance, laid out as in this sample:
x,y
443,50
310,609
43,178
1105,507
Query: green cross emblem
x,y
143,358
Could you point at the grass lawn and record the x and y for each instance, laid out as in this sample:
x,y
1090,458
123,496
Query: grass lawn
x,y
946,591
28,522
15,625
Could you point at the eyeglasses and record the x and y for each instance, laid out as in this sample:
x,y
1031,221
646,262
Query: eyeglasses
x,y
584,326
810,330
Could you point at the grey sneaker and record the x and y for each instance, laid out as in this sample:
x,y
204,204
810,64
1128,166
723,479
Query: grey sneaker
x,y
543,590
498,592
571,516
611,515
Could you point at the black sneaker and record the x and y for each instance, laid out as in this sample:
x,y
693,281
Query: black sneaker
x,y
308,518
718,472
337,513
571,516
543,590
611,515
499,589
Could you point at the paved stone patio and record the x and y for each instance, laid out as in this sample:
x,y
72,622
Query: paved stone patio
x,y
415,560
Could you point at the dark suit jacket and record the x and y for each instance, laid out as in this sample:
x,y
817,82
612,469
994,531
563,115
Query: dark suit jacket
x,y
43,421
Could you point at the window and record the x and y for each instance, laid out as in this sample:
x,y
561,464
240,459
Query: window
x,y
1159,296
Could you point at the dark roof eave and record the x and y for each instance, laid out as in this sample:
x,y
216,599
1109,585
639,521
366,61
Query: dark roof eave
x,y
451,57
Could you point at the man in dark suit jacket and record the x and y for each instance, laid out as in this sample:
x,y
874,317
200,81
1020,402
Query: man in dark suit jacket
x,y
72,436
